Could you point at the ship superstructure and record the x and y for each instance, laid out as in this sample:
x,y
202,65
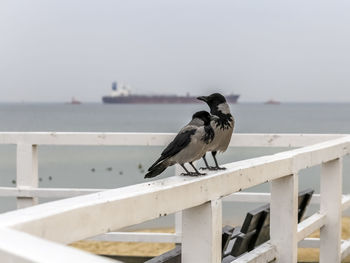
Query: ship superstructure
x,y
120,90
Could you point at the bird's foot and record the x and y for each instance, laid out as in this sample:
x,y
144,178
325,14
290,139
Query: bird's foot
x,y
210,168
193,174
199,174
220,168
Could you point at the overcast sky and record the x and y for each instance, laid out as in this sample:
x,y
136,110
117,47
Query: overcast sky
x,y
290,50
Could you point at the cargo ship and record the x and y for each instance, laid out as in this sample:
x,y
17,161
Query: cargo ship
x,y
122,94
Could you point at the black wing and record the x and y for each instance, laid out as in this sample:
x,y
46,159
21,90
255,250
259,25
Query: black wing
x,y
180,142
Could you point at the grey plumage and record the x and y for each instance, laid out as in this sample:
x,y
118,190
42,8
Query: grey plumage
x,y
189,145
222,123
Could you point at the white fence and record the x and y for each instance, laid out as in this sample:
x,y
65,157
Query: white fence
x,y
34,234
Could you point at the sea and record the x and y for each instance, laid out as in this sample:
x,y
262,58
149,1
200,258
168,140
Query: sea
x,y
114,166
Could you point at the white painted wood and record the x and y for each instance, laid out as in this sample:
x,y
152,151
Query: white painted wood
x,y
284,218
157,139
100,212
331,194
309,156
138,237
280,140
27,172
253,197
249,197
46,192
310,225
345,249
178,215
262,254
154,199
19,247
86,138
201,236
178,225
309,243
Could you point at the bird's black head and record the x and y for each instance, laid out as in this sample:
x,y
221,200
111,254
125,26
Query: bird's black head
x,y
213,100
204,116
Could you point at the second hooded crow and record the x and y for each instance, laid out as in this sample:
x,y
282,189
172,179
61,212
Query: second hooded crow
x,y
223,125
189,145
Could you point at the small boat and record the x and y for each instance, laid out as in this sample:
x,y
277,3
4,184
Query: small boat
x,y
272,102
74,101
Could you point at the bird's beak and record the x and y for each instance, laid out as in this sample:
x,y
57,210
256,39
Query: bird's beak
x,y
203,98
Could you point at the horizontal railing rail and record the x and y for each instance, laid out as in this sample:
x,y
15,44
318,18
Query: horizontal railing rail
x,y
157,139
198,199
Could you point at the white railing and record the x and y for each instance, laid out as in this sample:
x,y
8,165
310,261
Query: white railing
x,y
199,199
27,191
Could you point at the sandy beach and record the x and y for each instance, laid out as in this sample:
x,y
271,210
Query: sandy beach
x,y
312,254
127,248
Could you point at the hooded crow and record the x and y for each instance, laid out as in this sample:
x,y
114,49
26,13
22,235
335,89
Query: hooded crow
x,y
189,145
222,123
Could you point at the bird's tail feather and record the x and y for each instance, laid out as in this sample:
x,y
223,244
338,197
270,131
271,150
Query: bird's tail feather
x,y
156,170
156,163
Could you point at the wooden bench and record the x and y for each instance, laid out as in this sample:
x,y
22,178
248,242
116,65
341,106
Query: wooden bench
x,y
237,241
256,229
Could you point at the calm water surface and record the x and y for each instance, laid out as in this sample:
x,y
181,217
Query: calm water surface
x,y
112,167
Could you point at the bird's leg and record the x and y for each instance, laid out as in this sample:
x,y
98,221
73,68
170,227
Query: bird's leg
x,y
217,167
197,172
187,172
207,165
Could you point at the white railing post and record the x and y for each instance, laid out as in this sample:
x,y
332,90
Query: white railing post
x,y
284,218
331,194
178,215
27,172
178,224
201,233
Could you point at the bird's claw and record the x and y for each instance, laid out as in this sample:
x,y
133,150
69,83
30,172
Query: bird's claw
x,y
213,168
193,174
198,174
210,168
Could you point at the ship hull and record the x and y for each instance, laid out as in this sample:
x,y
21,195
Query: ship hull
x,y
143,99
